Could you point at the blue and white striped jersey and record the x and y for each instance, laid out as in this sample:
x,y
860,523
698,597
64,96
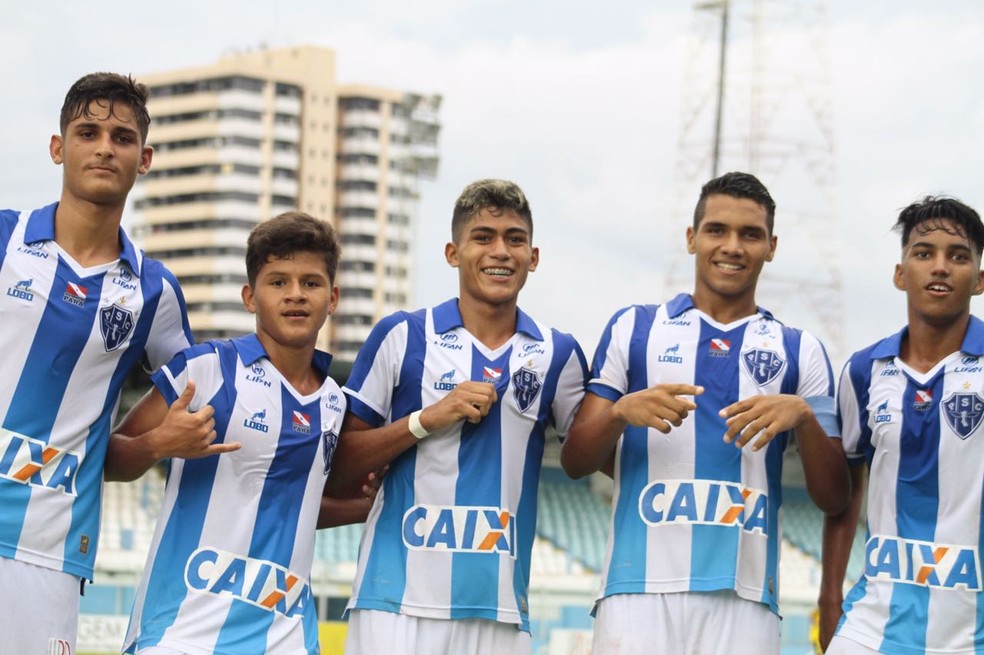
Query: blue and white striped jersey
x,y
229,567
921,436
70,335
451,531
691,512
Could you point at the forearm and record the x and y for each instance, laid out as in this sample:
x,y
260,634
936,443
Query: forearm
x,y
128,458
590,444
838,539
360,451
824,466
337,511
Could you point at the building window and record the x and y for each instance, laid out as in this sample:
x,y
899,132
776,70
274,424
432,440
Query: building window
x,y
207,196
355,292
208,85
358,240
356,103
357,185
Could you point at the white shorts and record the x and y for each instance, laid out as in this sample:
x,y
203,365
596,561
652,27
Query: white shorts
x,y
371,632
40,609
689,623
845,646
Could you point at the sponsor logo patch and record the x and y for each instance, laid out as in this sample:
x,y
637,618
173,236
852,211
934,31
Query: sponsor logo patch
x,y
460,529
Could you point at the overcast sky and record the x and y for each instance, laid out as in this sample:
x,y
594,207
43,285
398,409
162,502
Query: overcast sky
x,y
582,107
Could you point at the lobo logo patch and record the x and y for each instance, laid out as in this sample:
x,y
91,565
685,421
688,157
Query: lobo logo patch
x,y
763,365
115,324
526,387
963,413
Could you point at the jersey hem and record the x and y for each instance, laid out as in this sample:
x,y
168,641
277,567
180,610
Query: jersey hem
x,y
686,586
45,562
447,613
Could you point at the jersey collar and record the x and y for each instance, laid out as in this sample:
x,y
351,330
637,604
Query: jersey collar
x,y
685,302
41,227
973,342
447,317
250,349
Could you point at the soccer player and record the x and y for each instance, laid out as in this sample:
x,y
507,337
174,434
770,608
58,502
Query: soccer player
x,y
229,566
911,408
458,397
80,306
691,405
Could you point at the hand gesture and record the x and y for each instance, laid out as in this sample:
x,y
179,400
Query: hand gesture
x,y
469,401
765,416
661,407
189,434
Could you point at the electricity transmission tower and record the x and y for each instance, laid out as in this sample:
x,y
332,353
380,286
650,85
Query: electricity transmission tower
x,y
757,98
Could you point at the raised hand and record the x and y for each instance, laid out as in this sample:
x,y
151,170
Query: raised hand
x,y
188,433
469,401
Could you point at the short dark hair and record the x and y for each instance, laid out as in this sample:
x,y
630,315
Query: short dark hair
x,y
737,185
112,88
936,210
289,233
497,196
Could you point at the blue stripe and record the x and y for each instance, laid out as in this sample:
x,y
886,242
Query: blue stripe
x,y
627,568
979,623
917,489
183,532
714,549
859,372
385,578
606,338
85,514
479,484
277,516
8,222
773,467
367,354
564,347
61,336
860,375
916,509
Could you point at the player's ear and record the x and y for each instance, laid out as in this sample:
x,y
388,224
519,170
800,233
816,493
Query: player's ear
x,y
248,300
451,254
691,245
898,278
55,147
979,287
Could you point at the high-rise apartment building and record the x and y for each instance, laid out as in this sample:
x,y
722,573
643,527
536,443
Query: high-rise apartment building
x,y
264,132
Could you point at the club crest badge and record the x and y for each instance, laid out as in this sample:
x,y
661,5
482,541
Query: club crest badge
x,y
963,413
330,439
115,324
763,365
526,387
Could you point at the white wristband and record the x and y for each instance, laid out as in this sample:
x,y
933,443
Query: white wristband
x,y
416,429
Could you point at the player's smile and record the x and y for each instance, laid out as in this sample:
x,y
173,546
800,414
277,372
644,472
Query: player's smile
x,y
493,257
731,244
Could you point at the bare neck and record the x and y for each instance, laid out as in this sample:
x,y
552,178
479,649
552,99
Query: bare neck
x,y
492,325
294,364
89,233
724,310
926,345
